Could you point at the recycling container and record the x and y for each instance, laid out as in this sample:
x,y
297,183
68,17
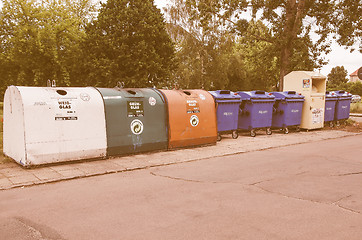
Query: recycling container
x,y
53,124
256,111
330,107
312,85
227,112
136,120
287,110
342,106
192,118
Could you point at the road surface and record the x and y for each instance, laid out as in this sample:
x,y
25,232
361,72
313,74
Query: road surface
x,y
305,191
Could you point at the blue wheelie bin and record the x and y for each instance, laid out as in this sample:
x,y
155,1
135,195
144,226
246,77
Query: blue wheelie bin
x,y
330,108
227,111
287,110
255,112
343,106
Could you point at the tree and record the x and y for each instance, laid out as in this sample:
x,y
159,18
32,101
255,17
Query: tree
x,y
290,24
39,40
203,52
337,78
128,43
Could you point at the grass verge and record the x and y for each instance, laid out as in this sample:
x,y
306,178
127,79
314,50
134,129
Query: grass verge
x,y
356,107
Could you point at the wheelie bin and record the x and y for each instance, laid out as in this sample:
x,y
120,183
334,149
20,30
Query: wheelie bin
x,y
227,111
192,118
330,108
343,106
287,110
256,110
136,120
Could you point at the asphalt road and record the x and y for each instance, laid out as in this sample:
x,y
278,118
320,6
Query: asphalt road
x,y
306,191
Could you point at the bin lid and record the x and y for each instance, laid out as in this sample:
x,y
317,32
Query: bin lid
x,y
331,95
257,95
343,94
287,95
226,95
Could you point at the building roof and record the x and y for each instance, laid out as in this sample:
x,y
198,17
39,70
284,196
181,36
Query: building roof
x,y
354,73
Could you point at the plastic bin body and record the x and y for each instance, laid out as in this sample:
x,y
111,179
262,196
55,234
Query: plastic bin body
x,y
227,110
287,109
312,86
192,118
343,105
49,125
136,120
330,107
256,110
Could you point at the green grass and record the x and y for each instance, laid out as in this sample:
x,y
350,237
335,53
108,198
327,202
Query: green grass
x,y
356,107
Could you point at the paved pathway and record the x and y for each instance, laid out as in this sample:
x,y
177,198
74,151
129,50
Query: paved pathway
x,y
304,191
12,175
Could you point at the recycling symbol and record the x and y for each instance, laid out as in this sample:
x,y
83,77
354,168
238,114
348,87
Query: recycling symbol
x,y
136,127
194,120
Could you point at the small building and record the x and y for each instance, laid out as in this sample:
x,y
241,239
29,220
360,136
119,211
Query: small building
x,y
353,77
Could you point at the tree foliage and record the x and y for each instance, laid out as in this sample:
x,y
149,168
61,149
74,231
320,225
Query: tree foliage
x,y
290,24
39,40
128,43
337,77
202,52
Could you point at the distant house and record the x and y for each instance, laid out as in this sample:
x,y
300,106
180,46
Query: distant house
x,y
353,77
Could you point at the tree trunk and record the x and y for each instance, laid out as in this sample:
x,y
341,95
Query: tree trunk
x,y
293,20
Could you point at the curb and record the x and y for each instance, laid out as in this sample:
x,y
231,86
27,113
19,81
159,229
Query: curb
x,y
128,169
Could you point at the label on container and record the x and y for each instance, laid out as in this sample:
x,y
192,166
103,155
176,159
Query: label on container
x,y
136,126
317,115
306,83
192,106
152,101
85,97
228,113
294,110
202,97
135,109
66,110
194,120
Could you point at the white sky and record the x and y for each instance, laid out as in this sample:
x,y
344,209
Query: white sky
x,y
337,57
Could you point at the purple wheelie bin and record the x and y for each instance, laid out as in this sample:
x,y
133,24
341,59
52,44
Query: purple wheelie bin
x,y
256,111
343,106
330,108
287,110
227,110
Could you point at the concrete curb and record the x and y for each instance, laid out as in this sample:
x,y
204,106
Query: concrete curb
x,y
14,176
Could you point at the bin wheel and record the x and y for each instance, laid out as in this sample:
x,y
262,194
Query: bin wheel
x,y
285,130
268,131
338,124
331,124
218,137
252,133
297,128
235,134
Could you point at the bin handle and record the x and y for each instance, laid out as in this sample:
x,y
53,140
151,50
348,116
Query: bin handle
x,y
224,91
291,92
259,92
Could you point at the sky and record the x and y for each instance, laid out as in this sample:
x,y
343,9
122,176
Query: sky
x,y
339,56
